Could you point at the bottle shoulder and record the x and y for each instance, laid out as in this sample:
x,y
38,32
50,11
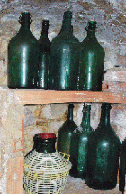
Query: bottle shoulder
x,y
105,134
68,126
91,44
24,36
65,38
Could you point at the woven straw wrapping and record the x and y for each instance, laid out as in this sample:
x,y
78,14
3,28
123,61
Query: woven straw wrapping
x,y
45,173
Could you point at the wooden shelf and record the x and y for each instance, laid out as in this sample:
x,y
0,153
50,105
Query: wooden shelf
x,y
28,96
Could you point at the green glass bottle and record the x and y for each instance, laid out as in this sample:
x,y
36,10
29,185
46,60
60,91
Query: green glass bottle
x,y
78,150
44,43
103,154
91,66
23,56
122,170
65,132
64,57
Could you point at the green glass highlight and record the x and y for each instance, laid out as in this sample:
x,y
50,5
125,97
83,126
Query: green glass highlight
x,y
91,66
78,151
103,154
64,57
44,59
65,132
23,56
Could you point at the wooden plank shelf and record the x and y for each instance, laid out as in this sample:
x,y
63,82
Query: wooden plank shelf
x,y
38,96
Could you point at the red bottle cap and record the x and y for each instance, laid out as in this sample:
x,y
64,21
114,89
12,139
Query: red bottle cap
x,y
47,135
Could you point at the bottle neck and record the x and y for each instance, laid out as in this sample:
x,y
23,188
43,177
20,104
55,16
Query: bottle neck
x,y
86,117
45,28
25,21
25,25
105,115
90,28
67,29
70,112
91,33
66,24
44,33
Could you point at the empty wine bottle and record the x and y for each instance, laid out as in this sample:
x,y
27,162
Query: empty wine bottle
x,y
23,56
65,132
44,43
78,148
91,66
122,170
64,57
103,154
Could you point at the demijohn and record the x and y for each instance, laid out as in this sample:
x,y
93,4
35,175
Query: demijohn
x,y
45,170
44,43
103,154
78,148
23,56
65,132
64,57
91,66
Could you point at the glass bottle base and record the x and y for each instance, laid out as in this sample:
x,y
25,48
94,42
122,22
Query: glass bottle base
x,y
106,185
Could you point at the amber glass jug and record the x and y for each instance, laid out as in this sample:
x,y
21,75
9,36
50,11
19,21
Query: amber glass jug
x,y
23,56
64,57
103,154
91,66
65,132
78,148
44,43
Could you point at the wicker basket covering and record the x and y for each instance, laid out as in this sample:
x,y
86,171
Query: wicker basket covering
x,y
45,173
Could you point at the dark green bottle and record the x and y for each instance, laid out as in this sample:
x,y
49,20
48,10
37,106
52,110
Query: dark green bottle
x,y
78,151
103,154
44,43
122,170
91,67
65,132
23,56
64,57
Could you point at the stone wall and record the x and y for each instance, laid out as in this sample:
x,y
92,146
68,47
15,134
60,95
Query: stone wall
x,y
14,127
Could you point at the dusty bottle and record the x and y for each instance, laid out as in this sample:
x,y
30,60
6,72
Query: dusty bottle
x,y
91,66
44,43
78,150
65,132
103,154
122,170
64,57
23,56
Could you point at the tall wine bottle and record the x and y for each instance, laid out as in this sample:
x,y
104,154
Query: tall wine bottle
x,y
91,66
78,150
103,154
44,43
64,57
122,170
23,56
65,132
